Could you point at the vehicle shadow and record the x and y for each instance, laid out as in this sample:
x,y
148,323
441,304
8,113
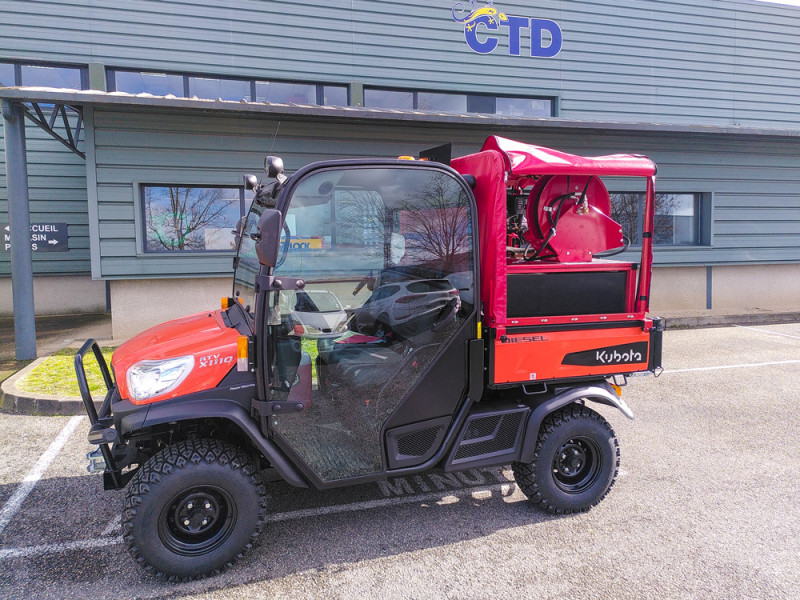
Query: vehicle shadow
x,y
310,532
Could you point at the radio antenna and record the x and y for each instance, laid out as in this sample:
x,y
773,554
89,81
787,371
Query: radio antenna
x,y
275,137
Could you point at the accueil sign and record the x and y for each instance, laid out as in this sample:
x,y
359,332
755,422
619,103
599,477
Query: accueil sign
x,y
483,27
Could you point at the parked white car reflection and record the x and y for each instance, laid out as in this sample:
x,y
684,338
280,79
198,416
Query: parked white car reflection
x,y
407,307
315,313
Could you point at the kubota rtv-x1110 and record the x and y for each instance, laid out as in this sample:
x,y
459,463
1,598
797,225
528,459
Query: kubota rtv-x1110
x,y
386,317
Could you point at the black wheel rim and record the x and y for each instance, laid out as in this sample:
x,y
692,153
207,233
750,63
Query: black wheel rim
x,y
198,520
577,465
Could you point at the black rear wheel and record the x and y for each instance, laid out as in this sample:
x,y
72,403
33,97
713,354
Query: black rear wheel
x,y
576,461
193,509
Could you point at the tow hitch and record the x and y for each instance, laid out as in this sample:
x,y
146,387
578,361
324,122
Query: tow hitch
x,y
97,464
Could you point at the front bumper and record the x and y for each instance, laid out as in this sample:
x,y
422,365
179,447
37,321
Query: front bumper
x,y
102,431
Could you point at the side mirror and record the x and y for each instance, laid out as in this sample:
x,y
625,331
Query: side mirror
x,y
250,182
273,165
268,237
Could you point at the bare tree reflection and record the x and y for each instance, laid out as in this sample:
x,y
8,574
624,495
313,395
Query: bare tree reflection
x,y
175,216
627,209
435,222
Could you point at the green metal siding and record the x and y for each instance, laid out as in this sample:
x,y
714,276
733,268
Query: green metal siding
x,y
700,61
57,192
756,200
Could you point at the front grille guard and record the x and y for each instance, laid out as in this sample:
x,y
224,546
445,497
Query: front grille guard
x,y
101,432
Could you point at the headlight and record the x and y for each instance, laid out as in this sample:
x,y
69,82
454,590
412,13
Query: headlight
x,y
149,378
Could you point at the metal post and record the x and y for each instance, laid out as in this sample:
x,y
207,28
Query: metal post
x,y
19,219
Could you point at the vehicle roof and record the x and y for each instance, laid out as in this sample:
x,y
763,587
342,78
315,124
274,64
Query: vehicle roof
x,y
528,160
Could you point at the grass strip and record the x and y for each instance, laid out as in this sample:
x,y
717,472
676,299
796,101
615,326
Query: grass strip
x,y
55,375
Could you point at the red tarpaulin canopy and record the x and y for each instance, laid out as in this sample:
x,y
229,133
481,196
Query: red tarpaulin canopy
x,y
500,156
526,160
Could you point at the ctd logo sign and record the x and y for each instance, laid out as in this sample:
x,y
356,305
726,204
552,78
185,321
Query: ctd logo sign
x,y
481,23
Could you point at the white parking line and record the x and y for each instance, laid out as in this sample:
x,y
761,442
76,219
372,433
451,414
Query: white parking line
x,y
796,337
54,548
440,498
112,525
34,475
741,366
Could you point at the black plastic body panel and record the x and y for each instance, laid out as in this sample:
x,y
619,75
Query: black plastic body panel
x,y
492,435
414,444
208,407
557,294
656,342
442,388
477,372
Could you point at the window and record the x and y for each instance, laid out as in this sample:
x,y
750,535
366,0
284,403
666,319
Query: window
x,y
524,107
227,88
59,77
334,95
54,76
375,98
7,78
294,93
395,252
677,218
190,218
158,84
458,103
455,103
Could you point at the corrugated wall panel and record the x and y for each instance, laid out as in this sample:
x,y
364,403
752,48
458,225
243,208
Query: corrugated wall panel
x,y
754,181
704,61
57,194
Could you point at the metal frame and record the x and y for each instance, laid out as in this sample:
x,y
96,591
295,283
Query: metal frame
x,y
34,112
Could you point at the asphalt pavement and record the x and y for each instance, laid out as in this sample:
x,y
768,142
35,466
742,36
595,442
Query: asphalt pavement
x,y
705,506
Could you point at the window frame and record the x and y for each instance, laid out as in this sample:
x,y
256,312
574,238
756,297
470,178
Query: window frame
x,y
473,101
701,219
141,218
83,70
111,82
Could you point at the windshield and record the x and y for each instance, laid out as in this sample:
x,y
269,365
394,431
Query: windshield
x,y
315,301
246,265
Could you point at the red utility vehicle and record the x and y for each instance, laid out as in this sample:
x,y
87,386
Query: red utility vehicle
x,y
519,320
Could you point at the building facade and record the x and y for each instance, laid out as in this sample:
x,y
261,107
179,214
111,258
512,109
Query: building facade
x,y
707,89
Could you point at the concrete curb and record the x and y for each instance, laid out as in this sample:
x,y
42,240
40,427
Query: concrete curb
x,y
692,322
15,401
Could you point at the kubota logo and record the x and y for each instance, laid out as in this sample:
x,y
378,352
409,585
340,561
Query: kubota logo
x,y
614,358
480,24
624,354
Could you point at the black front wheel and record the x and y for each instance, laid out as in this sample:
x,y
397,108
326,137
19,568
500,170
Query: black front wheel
x,y
576,461
193,509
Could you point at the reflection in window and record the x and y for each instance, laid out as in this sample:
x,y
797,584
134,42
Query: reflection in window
x,y
374,98
676,218
524,107
158,84
7,75
458,103
286,93
57,77
451,103
53,76
225,89
190,218
334,95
